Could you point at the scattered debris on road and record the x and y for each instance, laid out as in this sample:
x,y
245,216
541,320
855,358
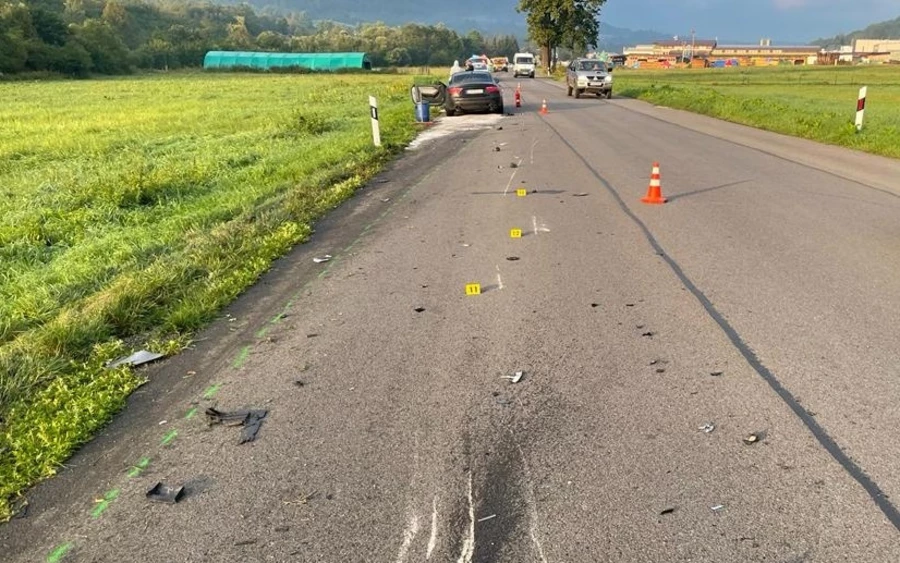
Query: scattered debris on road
x,y
165,493
251,420
648,334
512,258
325,258
751,439
496,149
717,507
245,542
419,309
515,378
580,194
513,165
716,373
708,427
136,359
595,305
668,510
299,383
312,335
486,518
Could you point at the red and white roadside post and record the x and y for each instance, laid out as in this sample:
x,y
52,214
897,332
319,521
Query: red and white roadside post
x,y
860,108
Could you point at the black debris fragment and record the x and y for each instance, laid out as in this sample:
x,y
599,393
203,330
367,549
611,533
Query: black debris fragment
x,y
629,304
312,335
595,305
165,493
648,334
668,510
496,149
299,383
716,373
419,309
251,420
512,258
660,370
513,165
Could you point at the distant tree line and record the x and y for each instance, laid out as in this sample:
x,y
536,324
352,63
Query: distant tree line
x,y
81,37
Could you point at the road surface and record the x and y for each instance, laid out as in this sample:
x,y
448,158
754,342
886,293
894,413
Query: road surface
x,y
760,300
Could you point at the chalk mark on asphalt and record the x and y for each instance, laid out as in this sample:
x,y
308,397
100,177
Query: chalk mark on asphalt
x,y
512,177
409,534
819,433
432,541
468,548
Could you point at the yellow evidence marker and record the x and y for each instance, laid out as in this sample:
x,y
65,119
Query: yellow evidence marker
x,y
521,192
515,233
473,289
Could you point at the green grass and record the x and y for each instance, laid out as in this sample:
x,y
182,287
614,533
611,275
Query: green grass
x,y
133,209
817,103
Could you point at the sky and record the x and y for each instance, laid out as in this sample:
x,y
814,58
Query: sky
x,y
784,21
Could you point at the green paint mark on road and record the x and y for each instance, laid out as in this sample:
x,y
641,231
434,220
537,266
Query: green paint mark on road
x,y
104,504
57,554
139,467
241,357
264,330
169,437
211,390
190,414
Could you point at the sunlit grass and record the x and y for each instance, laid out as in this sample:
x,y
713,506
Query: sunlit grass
x,y
817,103
133,209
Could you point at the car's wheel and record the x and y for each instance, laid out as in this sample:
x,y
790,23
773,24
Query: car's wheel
x,y
568,90
577,93
499,109
608,94
451,112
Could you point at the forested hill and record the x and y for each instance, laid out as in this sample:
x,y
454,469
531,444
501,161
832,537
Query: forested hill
x,y
883,30
80,37
493,16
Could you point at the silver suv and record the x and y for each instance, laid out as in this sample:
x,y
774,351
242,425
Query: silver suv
x,y
588,75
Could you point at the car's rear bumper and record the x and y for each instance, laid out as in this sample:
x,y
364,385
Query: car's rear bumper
x,y
475,104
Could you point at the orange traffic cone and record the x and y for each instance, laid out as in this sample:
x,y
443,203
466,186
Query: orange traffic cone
x,y
544,108
519,96
654,192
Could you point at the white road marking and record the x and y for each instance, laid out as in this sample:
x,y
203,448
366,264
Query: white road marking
x,y
412,528
508,184
534,144
432,541
468,549
499,279
534,222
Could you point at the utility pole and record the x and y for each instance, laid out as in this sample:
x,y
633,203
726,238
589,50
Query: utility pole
x,y
692,45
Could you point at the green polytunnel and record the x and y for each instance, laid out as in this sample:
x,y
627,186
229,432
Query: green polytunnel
x,y
267,61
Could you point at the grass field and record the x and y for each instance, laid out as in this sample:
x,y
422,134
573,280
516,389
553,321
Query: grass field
x,y
133,209
817,103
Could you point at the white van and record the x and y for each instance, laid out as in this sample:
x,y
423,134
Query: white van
x,y
523,65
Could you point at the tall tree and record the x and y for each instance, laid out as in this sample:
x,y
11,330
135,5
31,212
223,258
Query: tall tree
x,y
567,23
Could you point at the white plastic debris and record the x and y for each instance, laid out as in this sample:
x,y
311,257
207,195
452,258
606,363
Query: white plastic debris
x,y
136,359
325,258
717,507
515,378
708,427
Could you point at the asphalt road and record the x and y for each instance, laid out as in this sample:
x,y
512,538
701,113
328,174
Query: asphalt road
x,y
761,299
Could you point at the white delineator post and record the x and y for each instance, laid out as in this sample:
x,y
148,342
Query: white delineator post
x,y
860,108
376,130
